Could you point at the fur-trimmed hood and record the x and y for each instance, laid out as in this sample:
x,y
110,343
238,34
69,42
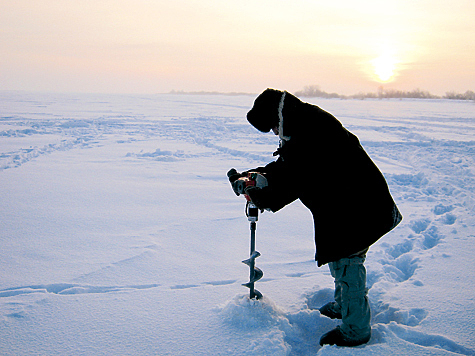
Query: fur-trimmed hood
x,y
275,108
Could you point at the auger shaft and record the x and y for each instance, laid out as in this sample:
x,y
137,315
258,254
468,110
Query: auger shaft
x,y
254,273
252,266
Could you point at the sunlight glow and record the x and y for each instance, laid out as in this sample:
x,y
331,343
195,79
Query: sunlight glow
x,y
148,46
384,67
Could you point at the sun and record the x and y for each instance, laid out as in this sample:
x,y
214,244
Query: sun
x,y
384,67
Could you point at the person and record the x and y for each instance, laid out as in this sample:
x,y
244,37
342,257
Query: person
x,y
324,165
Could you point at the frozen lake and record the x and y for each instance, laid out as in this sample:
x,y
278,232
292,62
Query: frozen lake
x,y
120,234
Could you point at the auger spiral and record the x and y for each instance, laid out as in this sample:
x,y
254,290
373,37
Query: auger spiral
x,y
255,273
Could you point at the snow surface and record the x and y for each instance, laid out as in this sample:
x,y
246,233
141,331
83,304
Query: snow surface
x,y
120,234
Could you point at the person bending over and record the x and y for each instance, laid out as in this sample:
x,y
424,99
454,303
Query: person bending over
x,y
323,164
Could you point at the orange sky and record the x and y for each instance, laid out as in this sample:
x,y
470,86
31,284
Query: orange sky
x,y
153,46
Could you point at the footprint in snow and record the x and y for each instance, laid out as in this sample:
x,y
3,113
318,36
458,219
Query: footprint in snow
x,y
68,289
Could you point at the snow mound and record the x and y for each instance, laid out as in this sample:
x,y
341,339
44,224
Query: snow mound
x,y
284,332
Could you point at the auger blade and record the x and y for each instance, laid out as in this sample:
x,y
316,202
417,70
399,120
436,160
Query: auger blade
x,y
254,292
257,274
248,284
257,294
251,259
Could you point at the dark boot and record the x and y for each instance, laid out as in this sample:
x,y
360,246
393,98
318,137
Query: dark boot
x,y
336,337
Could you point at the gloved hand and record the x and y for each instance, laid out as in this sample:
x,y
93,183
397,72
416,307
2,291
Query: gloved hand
x,y
258,196
233,176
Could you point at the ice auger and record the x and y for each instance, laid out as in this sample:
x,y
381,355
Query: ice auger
x,y
239,183
255,273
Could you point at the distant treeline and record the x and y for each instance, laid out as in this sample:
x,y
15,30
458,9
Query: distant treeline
x,y
315,91
207,93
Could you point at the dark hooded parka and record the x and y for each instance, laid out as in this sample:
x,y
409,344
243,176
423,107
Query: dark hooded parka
x,y
323,164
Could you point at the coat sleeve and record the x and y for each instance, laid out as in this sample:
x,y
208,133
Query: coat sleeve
x,y
281,176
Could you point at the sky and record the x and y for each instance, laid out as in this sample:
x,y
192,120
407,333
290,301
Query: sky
x,y
156,46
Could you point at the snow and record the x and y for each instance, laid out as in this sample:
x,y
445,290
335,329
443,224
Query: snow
x,y
120,234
